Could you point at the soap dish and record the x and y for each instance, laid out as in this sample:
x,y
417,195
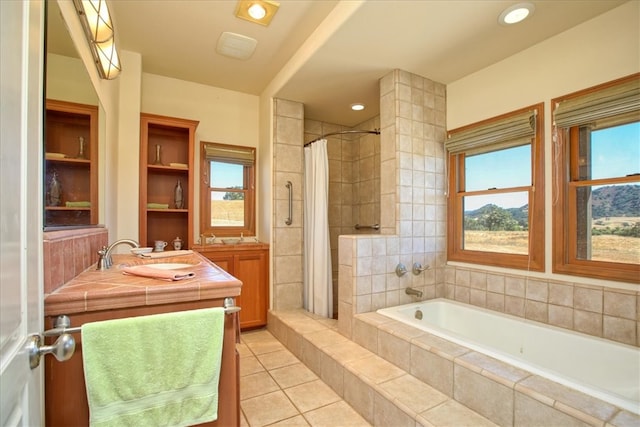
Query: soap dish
x,y
233,241
140,251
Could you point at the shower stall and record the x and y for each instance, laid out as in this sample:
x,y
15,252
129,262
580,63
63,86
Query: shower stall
x,y
353,200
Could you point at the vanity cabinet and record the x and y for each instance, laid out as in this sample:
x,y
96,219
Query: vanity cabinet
x,y
249,263
71,159
65,393
166,161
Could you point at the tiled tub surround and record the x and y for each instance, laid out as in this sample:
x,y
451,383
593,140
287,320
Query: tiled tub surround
x,y
368,282
601,368
396,375
68,253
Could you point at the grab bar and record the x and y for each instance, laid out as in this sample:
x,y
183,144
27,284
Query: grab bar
x,y
373,227
62,322
289,220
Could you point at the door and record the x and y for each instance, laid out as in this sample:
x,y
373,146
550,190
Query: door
x,y
21,295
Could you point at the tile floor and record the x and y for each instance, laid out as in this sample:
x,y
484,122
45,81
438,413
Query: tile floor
x,y
277,389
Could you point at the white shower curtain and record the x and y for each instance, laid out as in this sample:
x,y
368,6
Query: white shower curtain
x,y
318,293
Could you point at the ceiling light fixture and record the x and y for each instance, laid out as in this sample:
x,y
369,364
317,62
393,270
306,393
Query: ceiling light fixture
x,y
357,107
98,28
258,11
516,13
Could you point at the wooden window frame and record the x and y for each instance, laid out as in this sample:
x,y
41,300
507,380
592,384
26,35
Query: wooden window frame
x,y
249,229
535,259
564,209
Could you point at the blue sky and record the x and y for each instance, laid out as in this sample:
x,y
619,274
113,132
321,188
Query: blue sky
x,y
228,175
489,170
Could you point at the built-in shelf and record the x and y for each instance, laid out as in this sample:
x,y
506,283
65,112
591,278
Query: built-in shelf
x,y
165,142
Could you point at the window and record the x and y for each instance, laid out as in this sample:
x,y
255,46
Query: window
x,y
496,191
596,197
227,195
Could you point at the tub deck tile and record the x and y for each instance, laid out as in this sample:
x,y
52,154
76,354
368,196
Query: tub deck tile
x,y
624,419
498,371
439,346
452,413
412,394
375,368
575,403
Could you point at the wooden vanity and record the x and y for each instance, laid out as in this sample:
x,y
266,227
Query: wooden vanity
x,y
102,295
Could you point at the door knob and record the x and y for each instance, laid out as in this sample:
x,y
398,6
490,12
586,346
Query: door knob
x,y
62,349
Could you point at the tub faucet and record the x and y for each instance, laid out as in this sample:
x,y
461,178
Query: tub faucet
x,y
105,262
414,292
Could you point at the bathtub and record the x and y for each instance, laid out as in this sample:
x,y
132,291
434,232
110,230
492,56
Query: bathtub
x,y
601,368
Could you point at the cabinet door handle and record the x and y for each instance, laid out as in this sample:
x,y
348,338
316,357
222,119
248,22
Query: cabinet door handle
x,y
289,220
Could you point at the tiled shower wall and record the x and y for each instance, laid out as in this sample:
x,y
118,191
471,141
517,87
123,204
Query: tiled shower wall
x,y
354,182
413,202
287,246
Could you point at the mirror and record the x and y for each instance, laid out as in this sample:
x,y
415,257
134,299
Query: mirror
x,y
71,128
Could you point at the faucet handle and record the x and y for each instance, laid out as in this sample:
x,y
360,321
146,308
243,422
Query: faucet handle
x,y
401,270
418,268
102,260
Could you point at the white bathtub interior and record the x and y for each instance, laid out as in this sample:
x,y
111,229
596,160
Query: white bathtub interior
x,y
601,368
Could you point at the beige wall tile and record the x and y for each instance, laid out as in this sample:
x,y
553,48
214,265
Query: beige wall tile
x,y
620,304
621,330
588,299
537,290
561,294
561,316
514,286
587,322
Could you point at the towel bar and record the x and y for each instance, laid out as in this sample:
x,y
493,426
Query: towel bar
x,y
62,323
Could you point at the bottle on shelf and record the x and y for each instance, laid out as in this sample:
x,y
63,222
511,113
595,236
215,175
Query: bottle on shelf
x,y
158,160
55,190
81,154
178,196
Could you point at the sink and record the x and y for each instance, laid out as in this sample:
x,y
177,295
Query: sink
x,y
169,265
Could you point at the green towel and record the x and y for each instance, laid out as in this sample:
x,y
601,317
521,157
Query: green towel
x,y
157,370
78,204
157,205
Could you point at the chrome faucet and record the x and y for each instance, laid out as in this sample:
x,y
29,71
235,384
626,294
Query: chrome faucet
x,y
414,292
105,262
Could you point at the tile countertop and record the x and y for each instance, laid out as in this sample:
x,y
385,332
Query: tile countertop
x,y
94,290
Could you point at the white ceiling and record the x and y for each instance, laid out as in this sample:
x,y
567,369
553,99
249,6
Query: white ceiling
x,y
442,40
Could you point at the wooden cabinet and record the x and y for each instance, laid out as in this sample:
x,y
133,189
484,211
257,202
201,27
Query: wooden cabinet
x,y
250,264
65,393
166,161
71,158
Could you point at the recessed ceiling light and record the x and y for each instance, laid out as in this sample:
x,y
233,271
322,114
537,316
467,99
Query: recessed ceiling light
x,y
516,13
357,107
257,11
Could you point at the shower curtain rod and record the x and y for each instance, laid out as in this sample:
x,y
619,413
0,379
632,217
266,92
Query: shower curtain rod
x,y
342,132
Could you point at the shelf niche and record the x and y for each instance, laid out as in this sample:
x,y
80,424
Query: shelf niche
x,y
160,170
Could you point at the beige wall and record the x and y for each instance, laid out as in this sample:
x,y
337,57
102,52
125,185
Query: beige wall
x,y
603,49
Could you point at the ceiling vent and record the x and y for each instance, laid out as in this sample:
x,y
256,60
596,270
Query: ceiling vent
x,y
236,45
